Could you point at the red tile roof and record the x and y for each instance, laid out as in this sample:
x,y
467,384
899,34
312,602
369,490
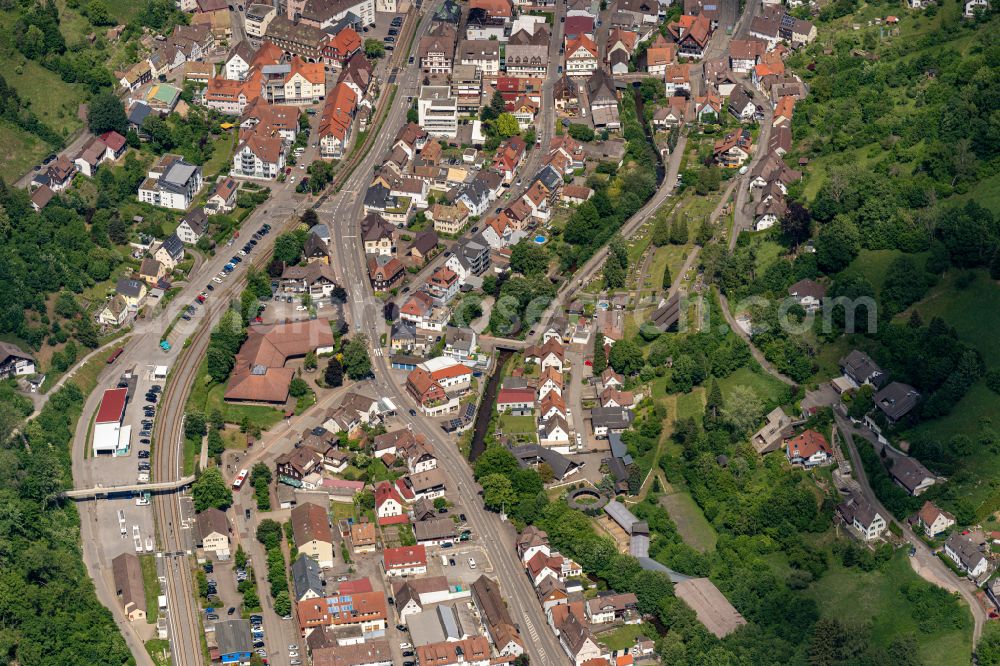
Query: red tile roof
x,y
404,556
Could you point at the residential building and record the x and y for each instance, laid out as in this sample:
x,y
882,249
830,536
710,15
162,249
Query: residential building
x,y
405,561
911,475
256,20
259,156
967,554
171,183
133,291
809,449
581,56
606,420
691,34
312,533
775,431
603,100
862,518
336,122
300,38
363,537
500,627
384,271
474,651
610,606
315,279
897,400
859,368
808,293
364,610
484,54
527,53
192,226
114,313
575,637
933,520
436,50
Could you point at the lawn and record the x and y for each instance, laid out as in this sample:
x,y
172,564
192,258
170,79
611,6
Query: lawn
x,y
20,151
54,101
768,249
341,511
691,523
974,312
872,265
986,194
691,405
768,389
260,415
159,651
221,159
151,584
876,598
624,637
523,426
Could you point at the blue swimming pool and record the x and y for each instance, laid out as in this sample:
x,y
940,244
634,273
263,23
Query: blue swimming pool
x,y
540,239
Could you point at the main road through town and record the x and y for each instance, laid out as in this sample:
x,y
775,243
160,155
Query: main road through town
x,y
344,213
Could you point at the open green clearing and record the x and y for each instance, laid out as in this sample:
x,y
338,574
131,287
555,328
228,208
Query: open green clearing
x,y
691,405
767,388
19,150
691,523
54,101
876,598
522,426
872,265
974,312
624,637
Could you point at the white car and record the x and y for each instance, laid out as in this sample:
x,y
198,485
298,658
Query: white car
x,y
300,308
215,279
405,646
293,647
472,563
293,653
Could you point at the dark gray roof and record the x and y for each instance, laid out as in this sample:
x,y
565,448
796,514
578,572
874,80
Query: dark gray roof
x,y
860,367
530,453
857,507
897,400
550,178
618,448
174,247
377,196
306,576
233,636
138,112
611,417
131,288
197,220
618,513
424,242
908,472
375,227
403,330
967,550
434,529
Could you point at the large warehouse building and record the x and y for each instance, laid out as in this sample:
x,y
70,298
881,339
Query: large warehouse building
x,y
110,436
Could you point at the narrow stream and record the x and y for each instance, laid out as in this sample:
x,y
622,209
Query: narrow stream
x,y
486,405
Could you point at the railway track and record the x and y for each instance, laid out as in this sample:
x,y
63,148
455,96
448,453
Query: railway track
x,y
168,458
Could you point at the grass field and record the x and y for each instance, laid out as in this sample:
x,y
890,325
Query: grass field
x,y
974,312
19,151
876,598
986,194
691,404
520,426
260,415
54,101
691,523
768,389
151,584
222,157
624,637
159,651
873,264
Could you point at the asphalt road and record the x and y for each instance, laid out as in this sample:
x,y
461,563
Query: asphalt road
x,y
927,564
365,311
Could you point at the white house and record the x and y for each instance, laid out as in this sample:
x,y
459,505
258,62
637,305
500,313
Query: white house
x,y
259,156
933,520
966,554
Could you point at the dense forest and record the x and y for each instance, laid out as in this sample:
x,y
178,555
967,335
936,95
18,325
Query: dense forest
x,y
50,612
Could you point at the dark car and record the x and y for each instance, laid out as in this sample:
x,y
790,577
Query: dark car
x,y
258,644
246,512
232,609
408,653
155,388
461,517
143,454
209,287
49,159
413,412
393,31
401,627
